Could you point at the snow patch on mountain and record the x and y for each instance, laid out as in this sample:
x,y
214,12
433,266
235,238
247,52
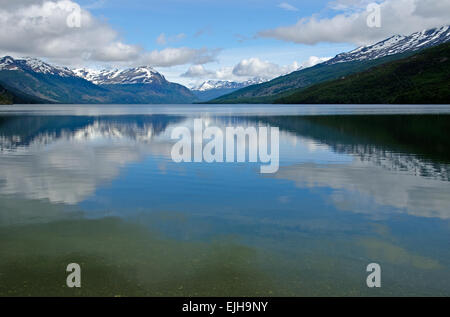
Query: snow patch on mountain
x,y
35,65
138,75
225,84
395,45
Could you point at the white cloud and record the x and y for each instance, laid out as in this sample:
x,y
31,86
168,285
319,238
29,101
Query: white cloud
x,y
314,60
179,56
161,40
254,67
198,71
287,6
39,28
397,16
356,187
116,52
345,5
164,40
207,30
250,68
42,169
245,69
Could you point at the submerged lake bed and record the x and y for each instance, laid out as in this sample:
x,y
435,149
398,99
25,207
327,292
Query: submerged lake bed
x,y
97,186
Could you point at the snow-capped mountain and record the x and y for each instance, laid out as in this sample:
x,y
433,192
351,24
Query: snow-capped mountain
x,y
34,65
395,45
225,84
138,75
217,84
36,81
212,89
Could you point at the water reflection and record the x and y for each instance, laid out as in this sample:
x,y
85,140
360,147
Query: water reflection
x,y
45,159
110,179
364,188
65,159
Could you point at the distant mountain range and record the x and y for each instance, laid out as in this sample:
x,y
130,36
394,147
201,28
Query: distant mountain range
x,y
131,76
33,65
30,80
359,60
212,89
41,82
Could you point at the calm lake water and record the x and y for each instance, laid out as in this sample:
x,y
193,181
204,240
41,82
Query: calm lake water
x,y
96,185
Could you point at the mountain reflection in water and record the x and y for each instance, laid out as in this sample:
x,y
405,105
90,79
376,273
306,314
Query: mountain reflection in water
x,y
103,189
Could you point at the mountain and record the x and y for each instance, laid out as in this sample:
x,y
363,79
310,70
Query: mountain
x,y
138,85
285,85
423,78
41,82
8,97
215,88
361,59
33,65
225,84
47,83
131,76
396,44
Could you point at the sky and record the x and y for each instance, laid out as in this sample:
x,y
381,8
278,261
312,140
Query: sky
x,y
190,41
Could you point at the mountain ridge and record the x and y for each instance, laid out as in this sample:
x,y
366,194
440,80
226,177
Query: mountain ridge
x,y
35,81
226,84
35,65
129,76
423,78
45,83
396,44
211,89
379,53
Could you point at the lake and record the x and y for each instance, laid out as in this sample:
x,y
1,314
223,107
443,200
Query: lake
x,y
97,186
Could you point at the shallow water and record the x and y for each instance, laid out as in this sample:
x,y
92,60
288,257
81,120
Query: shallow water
x,y
96,185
